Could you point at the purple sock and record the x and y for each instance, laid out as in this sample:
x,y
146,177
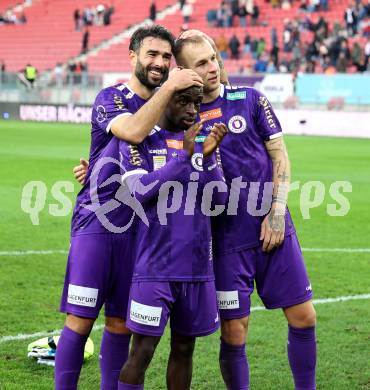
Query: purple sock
x,y
68,360
113,355
126,386
302,357
234,366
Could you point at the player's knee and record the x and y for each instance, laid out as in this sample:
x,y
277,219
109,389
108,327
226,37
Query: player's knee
x,y
141,356
80,325
116,325
302,316
183,350
234,331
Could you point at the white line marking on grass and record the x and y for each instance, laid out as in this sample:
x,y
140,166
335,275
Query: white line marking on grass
x,y
62,251
321,301
343,250
32,252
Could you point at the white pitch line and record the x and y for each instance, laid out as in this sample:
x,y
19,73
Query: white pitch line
x,y
321,301
62,251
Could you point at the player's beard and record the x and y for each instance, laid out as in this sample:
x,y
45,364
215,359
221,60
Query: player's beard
x,y
142,74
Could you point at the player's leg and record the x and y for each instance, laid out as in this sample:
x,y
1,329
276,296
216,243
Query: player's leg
x,y
180,362
116,336
302,344
147,316
233,357
234,281
282,282
70,351
82,298
194,314
133,372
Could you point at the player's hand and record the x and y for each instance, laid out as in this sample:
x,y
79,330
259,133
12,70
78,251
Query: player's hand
x,y
272,230
179,79
80,171
214,138
189,137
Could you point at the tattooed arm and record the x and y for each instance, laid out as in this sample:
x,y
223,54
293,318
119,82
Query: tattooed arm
x,y
273,226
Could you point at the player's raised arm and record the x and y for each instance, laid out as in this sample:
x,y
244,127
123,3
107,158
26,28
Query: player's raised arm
x,y
135,128
273,226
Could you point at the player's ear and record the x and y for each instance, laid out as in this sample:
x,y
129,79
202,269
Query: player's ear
x,y
133,57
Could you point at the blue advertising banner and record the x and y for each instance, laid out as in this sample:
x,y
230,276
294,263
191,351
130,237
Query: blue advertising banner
x,y
316,88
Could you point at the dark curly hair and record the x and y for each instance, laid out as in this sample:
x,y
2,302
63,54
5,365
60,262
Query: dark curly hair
x,y
155,31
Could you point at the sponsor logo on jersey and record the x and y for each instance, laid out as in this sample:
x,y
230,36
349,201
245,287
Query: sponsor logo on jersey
x,y
237,124
174,144
211,114
118,102
240,95
159,162
135,158
197,161
228,300
82,296
309,288
158,151
266,107
200,138
144,314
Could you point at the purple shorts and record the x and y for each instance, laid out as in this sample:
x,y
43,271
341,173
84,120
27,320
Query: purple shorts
x,y
192,307
99,271
281,278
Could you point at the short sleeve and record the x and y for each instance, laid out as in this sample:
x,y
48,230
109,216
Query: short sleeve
x,y
268,125
109,105
133,159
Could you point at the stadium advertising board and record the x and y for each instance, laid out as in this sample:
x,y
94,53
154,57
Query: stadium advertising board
x,y
315,88
46,112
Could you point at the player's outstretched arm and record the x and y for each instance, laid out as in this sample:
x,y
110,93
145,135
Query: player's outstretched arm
x,y
223,74
79,171
135,128
273,226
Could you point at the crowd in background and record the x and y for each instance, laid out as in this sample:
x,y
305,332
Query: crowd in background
x,y
93,16
10,17
329,48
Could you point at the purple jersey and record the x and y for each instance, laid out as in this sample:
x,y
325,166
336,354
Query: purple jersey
x,y
180,247
111,103
251,121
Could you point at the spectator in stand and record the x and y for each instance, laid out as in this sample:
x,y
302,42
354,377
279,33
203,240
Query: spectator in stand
x,y
88,16
85,41
350,18
255,15
107,15
224,15
274,39
356,53
234,45
367,52
274,55
254,44
58,75
261,46
261,64
324,5
243,15
234,5
313,5
287,36
100,10
247,44
342,63
271,68
77,19
153,11
187,12
181,3
222,46
84,73
2,71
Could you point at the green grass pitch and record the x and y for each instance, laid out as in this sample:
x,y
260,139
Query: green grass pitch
x,y
30,285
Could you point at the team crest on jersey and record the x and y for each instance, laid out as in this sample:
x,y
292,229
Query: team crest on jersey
x,y
197,161
237,124
102,114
